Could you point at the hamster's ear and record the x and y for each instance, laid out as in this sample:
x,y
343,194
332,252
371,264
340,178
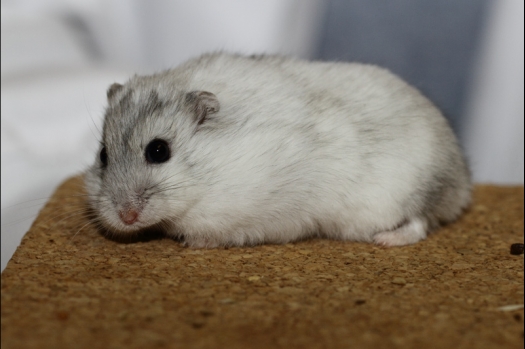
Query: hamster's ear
x,y
113,89
203,104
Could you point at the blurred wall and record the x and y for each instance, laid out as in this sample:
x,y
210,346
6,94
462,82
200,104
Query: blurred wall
x,y
493,122
176,31
430,44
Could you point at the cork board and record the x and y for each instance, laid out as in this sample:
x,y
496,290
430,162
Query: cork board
x,y
67,286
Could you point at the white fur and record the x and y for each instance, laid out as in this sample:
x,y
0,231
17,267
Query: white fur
x,y
297,149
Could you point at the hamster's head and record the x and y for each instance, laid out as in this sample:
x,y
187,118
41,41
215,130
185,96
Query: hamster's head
x,y
143,175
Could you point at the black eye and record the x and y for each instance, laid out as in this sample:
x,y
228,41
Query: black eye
x,y
157,151
104,157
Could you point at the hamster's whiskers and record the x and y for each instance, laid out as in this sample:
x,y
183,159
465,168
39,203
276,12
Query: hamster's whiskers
x,y
76,213
89,222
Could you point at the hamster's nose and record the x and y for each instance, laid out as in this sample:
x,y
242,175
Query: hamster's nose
x,y
129,216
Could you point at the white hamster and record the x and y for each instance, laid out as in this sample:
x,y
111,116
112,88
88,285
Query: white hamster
x,y
228,150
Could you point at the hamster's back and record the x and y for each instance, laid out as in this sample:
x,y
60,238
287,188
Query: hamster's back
x,y
352,125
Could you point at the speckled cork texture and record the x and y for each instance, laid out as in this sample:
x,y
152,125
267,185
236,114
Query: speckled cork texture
x,y
67,286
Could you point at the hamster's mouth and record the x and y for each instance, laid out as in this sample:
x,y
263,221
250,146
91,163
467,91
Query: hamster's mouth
x,y
119,227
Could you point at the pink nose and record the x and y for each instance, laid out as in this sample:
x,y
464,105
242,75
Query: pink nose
x,y
129,216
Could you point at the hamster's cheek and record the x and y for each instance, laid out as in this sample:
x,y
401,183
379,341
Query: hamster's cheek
x,y
107,215
91,183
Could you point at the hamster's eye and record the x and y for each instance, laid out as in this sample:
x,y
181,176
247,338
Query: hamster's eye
x,y
104,157
157,151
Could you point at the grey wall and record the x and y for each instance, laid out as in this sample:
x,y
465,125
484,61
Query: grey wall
x,y
431,44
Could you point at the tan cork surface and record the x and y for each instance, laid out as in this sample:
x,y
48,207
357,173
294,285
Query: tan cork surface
x,y
62,290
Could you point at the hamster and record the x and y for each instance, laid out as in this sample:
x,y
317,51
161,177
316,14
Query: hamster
x,y
228,150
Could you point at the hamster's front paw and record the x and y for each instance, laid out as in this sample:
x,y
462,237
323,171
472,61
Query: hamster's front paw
x,y
201,242
409,233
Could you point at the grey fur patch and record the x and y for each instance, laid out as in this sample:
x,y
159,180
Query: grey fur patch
x,y
125,101
113,89
152,105
202,104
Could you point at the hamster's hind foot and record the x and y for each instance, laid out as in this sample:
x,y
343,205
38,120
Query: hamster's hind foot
x,y
409,233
